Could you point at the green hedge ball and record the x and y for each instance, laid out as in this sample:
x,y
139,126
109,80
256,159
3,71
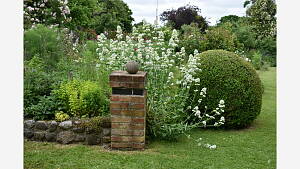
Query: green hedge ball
x,y
229,77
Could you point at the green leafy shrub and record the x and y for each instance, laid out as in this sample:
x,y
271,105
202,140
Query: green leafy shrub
x,y
37,82
219,38
43,110
82,98
267,47
256,60
245,36
45,43
227,76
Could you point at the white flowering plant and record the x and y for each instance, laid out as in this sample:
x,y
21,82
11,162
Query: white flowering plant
x,y
169,78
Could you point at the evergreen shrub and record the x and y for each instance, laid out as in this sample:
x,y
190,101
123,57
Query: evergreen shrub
x,y
229,77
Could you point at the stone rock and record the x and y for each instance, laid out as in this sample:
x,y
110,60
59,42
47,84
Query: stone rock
x,y
79,138
50,136
66,124
28,133
65,137
106,146
52,126
41,125
90,130
29,124
39,136
106,139
106,131
77,122
78,130
106,122
92,139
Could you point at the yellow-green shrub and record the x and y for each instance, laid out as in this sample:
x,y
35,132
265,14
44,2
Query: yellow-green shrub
x,y
82,98
61,116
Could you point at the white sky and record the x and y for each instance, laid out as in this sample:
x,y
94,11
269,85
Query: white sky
x,y
212,10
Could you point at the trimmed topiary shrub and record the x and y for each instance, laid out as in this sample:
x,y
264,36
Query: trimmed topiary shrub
x,y
227,76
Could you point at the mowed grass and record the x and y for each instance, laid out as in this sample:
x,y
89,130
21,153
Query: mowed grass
x,y
251,148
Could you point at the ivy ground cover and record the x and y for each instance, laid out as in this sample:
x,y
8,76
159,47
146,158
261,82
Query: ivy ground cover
x,y
254,147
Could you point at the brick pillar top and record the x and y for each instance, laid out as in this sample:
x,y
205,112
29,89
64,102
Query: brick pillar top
x,y
122,79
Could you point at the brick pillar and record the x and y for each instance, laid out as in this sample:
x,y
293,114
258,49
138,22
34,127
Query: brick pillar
x,y
128,110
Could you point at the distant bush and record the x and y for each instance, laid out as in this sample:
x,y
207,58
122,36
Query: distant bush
x,y
37,82
191,38
82,98
219,38
43,42
246,36
256,60
267,47
227,76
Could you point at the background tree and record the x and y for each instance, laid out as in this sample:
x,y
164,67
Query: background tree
x,y
114,13
229,18
262,15
98,16
184,15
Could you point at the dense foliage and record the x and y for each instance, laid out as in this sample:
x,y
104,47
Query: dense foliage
x,y
191,38
82,99
95,17
185,15
219,38
48,12
45,43
229,18
262,14
37,85
229,77
86,18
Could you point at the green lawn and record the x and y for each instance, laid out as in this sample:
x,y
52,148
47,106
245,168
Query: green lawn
x,y
253,148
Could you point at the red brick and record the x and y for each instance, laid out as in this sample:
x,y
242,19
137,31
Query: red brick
x,y
114,105
126,112
138,145
121,145
137,85
138,99
129,126
138,139
121,119
124,132
127,119
138,120
122,98
136,105
138,78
